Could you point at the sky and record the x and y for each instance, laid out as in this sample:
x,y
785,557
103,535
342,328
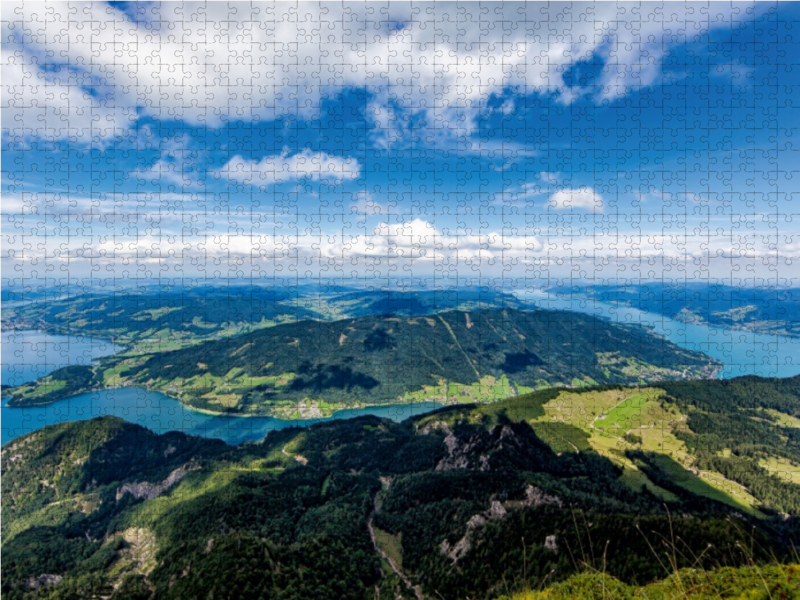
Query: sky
x,y
497,142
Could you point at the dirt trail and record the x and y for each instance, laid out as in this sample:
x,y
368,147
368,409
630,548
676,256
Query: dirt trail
x,y
395,568
298,457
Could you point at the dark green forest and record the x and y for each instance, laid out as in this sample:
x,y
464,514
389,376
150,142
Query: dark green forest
x,y
468,502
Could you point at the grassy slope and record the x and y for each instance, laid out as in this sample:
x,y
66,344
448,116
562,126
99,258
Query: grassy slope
x,y
743,583
647,433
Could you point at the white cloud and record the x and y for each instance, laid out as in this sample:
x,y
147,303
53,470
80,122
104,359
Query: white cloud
x,y
582,197
178,164
551,178
421,240
211,63
53,105
287,167
363,203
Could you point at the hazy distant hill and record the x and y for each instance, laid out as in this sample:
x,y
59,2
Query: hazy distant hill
x,y
358,303
165,318
171,317
762,309
468,502
309,367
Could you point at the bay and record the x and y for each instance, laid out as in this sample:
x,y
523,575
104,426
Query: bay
x,y
26,355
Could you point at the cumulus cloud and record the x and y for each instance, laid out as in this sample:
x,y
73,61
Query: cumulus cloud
x,y
421,240
212,63
583,197
53,105
177,165
363,202
287,167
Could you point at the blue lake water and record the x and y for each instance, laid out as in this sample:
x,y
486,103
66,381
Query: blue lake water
x,y
28,355
161,413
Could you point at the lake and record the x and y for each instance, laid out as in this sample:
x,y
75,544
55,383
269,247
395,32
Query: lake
x,y
28,355
161,413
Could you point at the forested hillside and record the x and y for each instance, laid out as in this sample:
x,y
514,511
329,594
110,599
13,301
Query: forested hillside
x,y
311,368
467,502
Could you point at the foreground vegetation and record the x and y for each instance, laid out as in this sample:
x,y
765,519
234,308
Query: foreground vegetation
x,y
566,492
312,368
743,583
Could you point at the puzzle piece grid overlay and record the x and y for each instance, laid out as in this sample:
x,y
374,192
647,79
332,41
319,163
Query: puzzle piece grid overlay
x,y
402,146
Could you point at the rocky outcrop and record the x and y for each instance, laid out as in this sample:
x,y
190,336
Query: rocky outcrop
x,y
434,426
44,580
513,445
498,510
534,497
495,511
148,490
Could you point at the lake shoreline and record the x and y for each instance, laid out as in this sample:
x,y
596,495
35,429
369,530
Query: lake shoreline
x,y
741,353
161,413
236,415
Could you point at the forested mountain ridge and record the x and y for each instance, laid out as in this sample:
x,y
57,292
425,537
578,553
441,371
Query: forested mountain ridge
x,y
310,368
466,502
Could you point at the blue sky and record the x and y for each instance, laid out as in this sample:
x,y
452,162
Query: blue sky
x,y
509,142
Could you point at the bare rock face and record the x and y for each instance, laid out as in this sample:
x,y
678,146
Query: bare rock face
x,y
513,444
148,490
536,497
44,580
498,510
456,454
434,426
460,548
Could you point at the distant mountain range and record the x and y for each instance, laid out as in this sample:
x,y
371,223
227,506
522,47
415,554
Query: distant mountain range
x,y
578,489
311,368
